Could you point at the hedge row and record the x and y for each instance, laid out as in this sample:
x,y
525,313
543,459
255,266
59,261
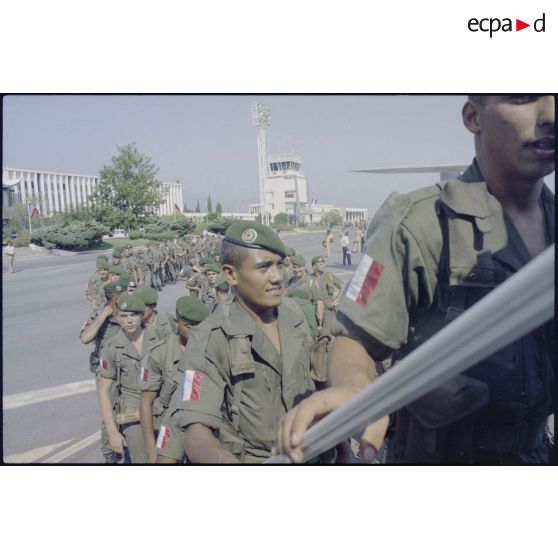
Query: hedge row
x,y
75,236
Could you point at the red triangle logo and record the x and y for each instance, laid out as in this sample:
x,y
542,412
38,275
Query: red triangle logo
x,y
519,25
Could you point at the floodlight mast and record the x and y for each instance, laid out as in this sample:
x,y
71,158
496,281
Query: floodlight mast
x,y
261,118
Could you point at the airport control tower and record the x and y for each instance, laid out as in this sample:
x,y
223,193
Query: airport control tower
x,y
283,186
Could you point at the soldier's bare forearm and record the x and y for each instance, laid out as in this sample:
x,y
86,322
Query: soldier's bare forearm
x,y
349,365
202,447
89,334
105,405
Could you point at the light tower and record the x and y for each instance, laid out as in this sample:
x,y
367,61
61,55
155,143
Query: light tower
x,y
261,118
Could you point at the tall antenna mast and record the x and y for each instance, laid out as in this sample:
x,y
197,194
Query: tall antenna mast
x,y
261,118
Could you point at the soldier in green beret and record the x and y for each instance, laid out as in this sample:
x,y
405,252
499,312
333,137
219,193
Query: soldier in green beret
x,y
207,293
166,367
116,256
303,299
198,282
288,264
324,295
94,286
300,279
163,323
121,369
100,327
249,362
115,272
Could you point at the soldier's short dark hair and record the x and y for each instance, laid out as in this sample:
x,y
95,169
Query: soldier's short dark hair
x,y
223,287
232,254
480,99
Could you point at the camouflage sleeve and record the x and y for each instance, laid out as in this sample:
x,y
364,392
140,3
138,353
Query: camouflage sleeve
x,y
201,394
393,279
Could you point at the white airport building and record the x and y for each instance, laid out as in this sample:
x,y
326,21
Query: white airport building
x,y
55,192
287,192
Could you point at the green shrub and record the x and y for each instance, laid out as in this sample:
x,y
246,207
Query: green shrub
x,y
75,236
22,241
134,235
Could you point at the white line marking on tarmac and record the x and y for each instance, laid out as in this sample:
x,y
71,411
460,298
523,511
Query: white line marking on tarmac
x,y
74,448
51,270
47,394
34,454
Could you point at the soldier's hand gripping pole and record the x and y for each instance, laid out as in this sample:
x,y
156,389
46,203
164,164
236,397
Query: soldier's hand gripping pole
x,y
522,303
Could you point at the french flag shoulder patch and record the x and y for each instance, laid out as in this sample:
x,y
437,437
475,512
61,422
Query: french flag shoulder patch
x,y
163,437
364,280
144,374
191,385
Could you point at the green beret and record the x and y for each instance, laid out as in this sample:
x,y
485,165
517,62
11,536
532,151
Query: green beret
x,y
299,261
128,247
127,277
191,308
129,302
116,270
290,251
251,234
102,264
213,267
205,261
147,294
316,259
300,293
117,253
113,287
102,258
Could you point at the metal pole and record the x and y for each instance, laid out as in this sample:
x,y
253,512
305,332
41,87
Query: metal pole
x,y
522,303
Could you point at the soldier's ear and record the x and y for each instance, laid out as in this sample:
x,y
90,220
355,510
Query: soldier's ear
x,y
229,273
471,116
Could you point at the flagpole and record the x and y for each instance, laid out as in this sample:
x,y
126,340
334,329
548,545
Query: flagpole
x,y
29,217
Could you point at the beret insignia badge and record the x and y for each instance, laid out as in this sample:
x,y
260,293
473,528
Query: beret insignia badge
x,y
249,236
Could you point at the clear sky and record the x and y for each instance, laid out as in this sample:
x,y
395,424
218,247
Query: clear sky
x,y
209,144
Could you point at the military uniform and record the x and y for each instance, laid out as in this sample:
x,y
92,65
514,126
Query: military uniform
x,y
94,292
430,255
165,370
165,324
121,363
166,365
108,329
323,288
238,384
303,283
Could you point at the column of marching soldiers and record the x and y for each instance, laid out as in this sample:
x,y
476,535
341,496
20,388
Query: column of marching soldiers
x,y
148,375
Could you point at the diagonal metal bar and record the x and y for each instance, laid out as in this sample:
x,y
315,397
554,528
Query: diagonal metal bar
x,y
522,303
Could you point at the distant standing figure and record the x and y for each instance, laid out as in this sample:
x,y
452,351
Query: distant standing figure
x,y
346,249
9,251
328,239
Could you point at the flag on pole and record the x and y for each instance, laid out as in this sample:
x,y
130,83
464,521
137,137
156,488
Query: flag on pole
x,y
32,212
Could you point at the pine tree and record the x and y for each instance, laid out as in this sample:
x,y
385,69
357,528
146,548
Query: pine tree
x,y
209,206
198,210
218,208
